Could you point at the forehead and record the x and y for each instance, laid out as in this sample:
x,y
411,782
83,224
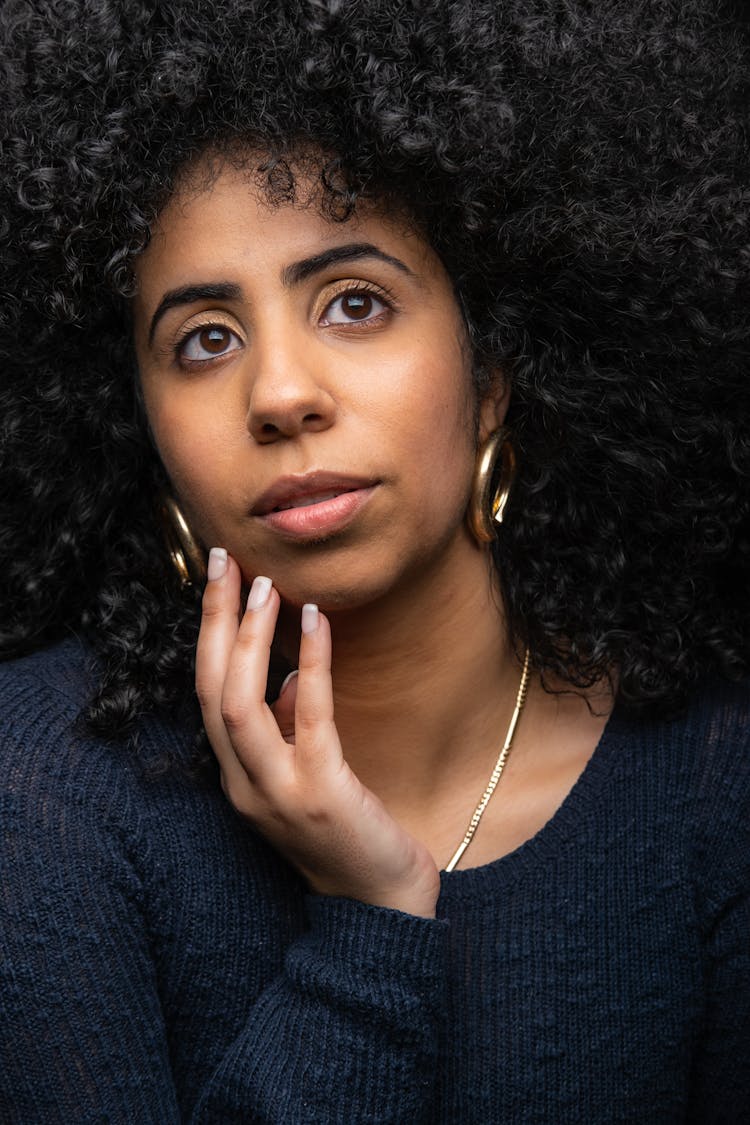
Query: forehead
x,y
223,217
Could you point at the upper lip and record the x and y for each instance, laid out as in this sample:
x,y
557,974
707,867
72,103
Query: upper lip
x,y
286,490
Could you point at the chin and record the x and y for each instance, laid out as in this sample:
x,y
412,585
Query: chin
x,y
343,576
335,586
333,598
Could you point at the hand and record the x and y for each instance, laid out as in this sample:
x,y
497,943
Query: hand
x,y
295,787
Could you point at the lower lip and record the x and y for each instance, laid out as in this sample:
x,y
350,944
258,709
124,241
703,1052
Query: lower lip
x,y
314,520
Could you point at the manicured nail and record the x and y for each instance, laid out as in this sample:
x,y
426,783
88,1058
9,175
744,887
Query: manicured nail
x,y
287,680
309,618
217,563
259,592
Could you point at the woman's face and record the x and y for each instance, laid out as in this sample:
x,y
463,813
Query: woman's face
x,y
309,389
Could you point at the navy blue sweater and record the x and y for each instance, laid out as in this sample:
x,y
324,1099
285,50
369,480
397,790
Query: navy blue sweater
x,y
160,963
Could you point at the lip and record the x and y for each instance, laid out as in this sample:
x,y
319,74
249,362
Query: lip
x,y
312,505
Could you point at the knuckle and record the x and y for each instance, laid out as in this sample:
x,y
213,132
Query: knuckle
x,y
212,603
240,799
235,713
205,690
311,661
249,635
306,728
313,725
314,756
317,813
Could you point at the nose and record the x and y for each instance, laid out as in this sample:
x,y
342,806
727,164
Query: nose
x,y
287,398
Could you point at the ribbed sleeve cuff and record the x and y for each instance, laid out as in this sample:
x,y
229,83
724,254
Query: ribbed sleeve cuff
x,y
378,938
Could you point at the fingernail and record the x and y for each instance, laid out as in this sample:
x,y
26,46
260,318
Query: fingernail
x,y
287,680
259,593
309,618
217,563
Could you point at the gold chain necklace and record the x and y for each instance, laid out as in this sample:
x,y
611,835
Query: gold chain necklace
x,y
497,771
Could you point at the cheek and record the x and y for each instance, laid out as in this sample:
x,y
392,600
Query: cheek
x,y
447,472
193,446
173,433
437,434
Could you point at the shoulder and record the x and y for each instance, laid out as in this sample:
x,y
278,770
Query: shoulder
x,y
710,743
705,747
720,731
41,697
683,783
719,717
49,761
706,756
61,676
79,810
42,700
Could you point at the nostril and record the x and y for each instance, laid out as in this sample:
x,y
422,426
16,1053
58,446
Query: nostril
x,y
269,424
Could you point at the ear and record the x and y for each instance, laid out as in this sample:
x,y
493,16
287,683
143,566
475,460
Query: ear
x,y
494,405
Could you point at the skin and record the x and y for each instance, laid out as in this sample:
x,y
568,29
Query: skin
x,y
359,367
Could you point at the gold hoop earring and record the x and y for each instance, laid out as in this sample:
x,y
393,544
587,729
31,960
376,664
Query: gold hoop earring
x,y
185,552
487,506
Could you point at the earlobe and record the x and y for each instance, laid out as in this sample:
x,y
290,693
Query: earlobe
x,y
494,404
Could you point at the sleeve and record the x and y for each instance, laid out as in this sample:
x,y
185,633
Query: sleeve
x,y
720,1089
720,1086
347,1033
82,1037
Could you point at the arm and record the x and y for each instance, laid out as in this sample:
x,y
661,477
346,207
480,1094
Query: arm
x,y
372,1025
346,1032
720,1080
82,1035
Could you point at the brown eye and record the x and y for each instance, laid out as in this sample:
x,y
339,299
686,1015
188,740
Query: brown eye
x,y
357,305
209,342
214,340
354,306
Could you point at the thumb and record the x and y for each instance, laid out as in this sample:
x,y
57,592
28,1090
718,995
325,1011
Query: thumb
x,y
283,708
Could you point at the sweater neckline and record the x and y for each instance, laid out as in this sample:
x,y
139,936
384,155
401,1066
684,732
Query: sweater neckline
x,y
551,838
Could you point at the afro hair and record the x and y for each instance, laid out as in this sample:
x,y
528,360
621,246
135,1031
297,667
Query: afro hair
x,y
581,170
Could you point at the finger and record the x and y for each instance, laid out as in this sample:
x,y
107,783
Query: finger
x,y
218,632
283,707
249,722
316,737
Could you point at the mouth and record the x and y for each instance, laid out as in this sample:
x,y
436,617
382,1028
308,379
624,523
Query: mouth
x,y
314,505
307,501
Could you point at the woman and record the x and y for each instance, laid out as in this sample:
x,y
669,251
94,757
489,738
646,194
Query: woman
x,y
407,346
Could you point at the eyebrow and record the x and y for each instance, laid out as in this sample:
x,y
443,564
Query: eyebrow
x,y
291,275
300,271
188,295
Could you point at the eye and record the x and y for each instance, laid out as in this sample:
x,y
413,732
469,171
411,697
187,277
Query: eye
x,y
208,342
354,306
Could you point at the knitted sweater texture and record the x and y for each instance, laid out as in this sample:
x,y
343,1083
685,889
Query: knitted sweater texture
x,y
159,963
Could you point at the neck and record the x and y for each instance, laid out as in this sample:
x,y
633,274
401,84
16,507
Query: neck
x,y
425,681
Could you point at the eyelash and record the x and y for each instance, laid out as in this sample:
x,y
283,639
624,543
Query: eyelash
x,y
373,291
377,293
195,330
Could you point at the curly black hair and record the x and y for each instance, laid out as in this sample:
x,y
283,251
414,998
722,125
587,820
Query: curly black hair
x,y
581,169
